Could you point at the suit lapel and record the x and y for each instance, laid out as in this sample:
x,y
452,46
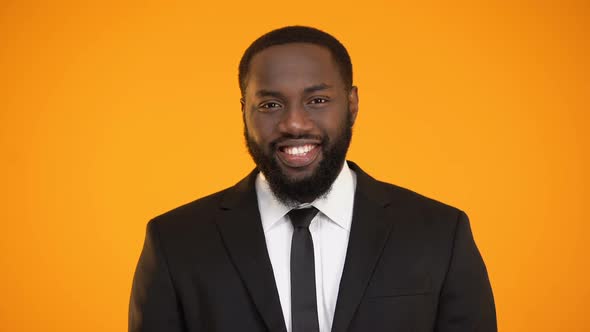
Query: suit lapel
x,y
241,230
242,233
368,235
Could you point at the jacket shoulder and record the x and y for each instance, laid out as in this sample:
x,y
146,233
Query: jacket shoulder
x,y
400,198
411,197
187,216
418,207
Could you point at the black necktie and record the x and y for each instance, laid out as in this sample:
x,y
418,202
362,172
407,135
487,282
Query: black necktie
x,y
304,312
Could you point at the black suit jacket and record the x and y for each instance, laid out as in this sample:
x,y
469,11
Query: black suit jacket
x,y
411,265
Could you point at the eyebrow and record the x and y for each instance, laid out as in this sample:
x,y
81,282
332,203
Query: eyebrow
x,y
268,93
316,88
308,90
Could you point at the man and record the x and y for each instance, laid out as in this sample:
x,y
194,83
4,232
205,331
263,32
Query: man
x,y
308,241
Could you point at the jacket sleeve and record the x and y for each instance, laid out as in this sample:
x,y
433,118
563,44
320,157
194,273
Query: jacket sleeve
x,y
153,306
466,301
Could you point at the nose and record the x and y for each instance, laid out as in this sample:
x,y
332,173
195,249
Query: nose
x,y
295,121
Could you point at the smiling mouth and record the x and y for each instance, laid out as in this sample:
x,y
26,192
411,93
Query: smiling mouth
x,y
297,156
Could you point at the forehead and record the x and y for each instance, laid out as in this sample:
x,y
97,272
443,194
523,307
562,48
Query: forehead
x,y
292,66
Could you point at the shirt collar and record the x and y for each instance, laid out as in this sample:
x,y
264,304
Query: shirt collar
x,y
337,205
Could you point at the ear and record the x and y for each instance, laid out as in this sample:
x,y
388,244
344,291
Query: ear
x,y
242,104
353,102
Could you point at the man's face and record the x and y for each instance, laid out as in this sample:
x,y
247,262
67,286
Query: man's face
x,y
298,117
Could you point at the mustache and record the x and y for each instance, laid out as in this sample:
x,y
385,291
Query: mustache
x,y
285,137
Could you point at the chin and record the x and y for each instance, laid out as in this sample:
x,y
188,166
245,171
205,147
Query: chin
x,y
295,175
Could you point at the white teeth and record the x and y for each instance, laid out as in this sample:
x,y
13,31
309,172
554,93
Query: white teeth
x,y
299,150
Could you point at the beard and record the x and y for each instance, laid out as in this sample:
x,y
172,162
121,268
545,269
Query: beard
x,y
291,191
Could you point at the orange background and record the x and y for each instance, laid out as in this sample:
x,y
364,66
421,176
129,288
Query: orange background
x,y
111,114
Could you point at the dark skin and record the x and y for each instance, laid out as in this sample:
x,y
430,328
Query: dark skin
x,y
295,98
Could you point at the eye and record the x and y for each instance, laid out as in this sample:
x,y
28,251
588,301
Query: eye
x,y
269,106
318,100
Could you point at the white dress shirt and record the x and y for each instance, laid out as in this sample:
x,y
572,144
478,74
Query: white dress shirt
x,y
330,230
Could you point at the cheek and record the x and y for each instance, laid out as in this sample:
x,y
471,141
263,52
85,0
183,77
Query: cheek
x,y
332,125
259,128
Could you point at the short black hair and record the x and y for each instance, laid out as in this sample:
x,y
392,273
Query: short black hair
x,y
297,34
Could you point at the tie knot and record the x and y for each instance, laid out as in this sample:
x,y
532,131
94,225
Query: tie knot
x,y
302,217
